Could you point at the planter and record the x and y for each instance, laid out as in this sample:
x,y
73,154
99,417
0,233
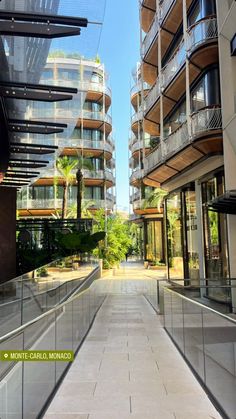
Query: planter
x,y
157,268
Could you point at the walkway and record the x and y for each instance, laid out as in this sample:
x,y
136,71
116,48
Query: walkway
x,y
129,368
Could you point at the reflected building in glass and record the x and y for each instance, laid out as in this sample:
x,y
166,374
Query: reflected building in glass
x,y
89,141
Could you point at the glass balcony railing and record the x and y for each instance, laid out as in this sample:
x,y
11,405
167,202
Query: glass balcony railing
x,y
164,8
70,115
201,32
135,196
56,204
138,116
138,145
208,119
174,65
136,175
150,36
138,87
176,140
153,159
152,96
82,86
90,144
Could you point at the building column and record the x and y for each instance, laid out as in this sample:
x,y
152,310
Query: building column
x,y
7,233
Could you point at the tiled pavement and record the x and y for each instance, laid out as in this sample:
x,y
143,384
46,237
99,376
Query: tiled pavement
x,y
129,368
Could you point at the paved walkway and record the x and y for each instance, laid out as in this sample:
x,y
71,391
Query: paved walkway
x,y
129,368
134,270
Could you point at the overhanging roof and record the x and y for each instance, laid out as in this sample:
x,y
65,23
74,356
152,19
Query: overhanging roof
x,y
225,203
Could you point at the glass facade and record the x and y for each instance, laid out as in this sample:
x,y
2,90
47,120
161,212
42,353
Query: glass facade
x,y
215,233
191,229
174,236
154,242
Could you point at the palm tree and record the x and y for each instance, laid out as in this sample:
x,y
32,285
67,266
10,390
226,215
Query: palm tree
x,y
65,166
82,163
155,199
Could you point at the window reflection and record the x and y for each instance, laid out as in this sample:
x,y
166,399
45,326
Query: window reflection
x,y
174,236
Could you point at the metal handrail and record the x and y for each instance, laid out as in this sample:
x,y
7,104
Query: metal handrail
x,y
202,31
206,119
151,34
173,65
53,310
152,95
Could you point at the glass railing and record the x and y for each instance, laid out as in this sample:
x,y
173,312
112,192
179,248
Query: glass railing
x,y
174,65
139,145
207,339
136,175
25,388
90,144
204,120
176,140
32,294
150,36
202,31
153,159
56,204
137,117
85,86
68,114
152,96
165,7
138,87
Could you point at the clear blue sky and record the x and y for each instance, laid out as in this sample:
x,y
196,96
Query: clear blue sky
x,y
119,51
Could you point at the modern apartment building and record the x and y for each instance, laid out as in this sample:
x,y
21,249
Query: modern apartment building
x,y
148,218
191,88
90,141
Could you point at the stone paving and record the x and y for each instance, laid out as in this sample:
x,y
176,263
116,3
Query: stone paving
x,y
129,368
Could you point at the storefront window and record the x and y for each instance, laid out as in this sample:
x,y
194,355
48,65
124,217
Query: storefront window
x,y
192,235
174,236
215,233
154,246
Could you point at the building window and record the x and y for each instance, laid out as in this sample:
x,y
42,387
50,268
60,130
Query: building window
x,y
174,236
207,91
154,247
215,232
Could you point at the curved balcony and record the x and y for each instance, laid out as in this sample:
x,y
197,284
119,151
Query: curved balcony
x,y
141,207
51,205
90,176
139,145
152,96
135,196
136,176
136,120
202,31
182,150
174,65
148,9
164,8
136,92
95,175
202,45
100,146
149,44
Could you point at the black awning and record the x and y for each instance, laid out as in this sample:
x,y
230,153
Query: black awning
x,y
225,203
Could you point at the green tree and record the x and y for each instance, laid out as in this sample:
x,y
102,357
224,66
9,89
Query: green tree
x,y
155,199
118,240
65,167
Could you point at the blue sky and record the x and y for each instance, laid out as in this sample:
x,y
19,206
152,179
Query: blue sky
x,y
119,51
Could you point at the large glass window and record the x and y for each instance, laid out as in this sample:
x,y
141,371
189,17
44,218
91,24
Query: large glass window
x,y
154,243
207,91
92,106
174,236
191,235
215,232
175,120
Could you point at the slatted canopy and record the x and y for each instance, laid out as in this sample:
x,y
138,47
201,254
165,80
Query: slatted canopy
x,y
29,32
225,203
